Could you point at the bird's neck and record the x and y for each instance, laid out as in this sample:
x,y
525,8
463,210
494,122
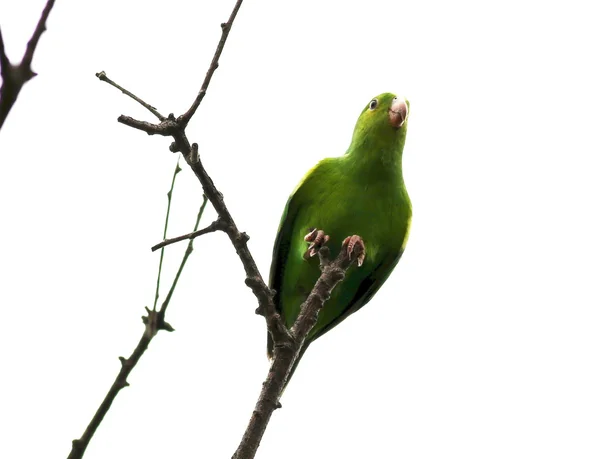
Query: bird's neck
x,y
373,159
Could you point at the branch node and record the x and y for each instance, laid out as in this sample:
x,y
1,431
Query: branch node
x,y
174,147
152,324
123,360
194,158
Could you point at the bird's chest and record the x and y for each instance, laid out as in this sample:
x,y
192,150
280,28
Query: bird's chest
x,y
372,212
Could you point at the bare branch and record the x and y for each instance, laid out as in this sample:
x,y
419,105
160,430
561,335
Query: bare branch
x,y
188,252
214,226
154,321
148,128
102,77
286,351
80,445
225,28
15,76
35,38
175,127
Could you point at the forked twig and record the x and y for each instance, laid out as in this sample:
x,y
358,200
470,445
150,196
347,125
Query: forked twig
x,y
15,76
287,344
154,321
286,352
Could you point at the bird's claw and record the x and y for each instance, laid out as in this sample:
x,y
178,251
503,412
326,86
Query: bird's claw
x,y
317,239
355,244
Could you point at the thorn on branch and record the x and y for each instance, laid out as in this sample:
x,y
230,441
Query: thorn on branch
x,y
167,326
194,158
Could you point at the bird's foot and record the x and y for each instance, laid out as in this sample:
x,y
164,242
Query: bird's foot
x,y
355,244
317,239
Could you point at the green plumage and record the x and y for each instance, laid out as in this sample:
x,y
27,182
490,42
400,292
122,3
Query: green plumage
x,y
362,193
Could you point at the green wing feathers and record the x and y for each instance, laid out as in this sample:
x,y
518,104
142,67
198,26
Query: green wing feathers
x,y
361,193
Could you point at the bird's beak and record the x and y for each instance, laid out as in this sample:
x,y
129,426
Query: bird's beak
x,y
398,113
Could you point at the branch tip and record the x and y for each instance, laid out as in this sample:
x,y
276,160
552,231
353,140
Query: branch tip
x,y
167,327
14,77
102,76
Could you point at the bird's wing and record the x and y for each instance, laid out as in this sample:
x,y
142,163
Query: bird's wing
x,y
283,242
367,288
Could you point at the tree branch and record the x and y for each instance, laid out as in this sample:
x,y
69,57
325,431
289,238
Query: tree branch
x,y
154,321
287,344
225,28
15,76
175,127
214,226
102,77
287,351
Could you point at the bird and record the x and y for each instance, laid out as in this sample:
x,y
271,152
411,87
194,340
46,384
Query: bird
x,y
361,193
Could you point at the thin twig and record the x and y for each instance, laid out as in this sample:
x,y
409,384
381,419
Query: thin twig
x,y
186,255
162,252
175,127
214,226
15,76
154,321
102,77
286,352
225,28
287,345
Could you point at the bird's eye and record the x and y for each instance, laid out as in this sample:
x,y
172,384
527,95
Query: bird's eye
x,y
373,104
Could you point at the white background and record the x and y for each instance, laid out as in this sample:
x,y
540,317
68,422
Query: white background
x,y
484,343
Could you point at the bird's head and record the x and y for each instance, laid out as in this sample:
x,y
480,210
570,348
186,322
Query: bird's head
x,y
383,120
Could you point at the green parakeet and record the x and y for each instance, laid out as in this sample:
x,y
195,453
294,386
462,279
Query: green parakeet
x,y
360,193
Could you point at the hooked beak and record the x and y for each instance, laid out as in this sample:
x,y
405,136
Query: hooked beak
x,y
398,113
